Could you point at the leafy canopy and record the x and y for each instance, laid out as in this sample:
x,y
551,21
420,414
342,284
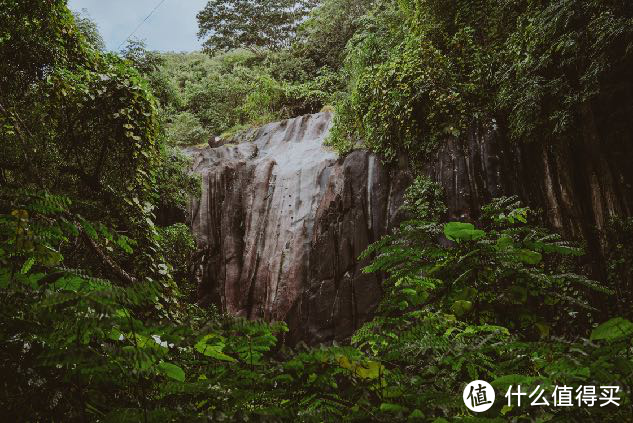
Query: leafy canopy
x,y
256,25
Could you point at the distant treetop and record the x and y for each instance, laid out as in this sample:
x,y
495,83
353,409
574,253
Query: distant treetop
x,y
253,24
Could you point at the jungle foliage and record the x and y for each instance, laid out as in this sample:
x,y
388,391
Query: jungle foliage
x,y
98,321
256,70
424,70
256,25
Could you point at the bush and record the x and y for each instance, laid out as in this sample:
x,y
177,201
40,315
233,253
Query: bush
x,y
185,129
494,305
179,250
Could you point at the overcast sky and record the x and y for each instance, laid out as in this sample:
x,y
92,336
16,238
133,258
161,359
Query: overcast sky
x,y
173,27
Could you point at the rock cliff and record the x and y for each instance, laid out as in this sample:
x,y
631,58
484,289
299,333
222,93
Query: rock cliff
x,y
577,186
282,220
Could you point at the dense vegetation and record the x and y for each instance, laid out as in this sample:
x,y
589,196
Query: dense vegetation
x,y
98,319
245,84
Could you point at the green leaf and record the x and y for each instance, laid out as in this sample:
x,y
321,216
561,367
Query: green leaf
x,y
504,243
468,293
528,256
49,257
71,283
409,292
141,361
145,342
461,307
172,371
416,414
5,275
27,265
369,370
365,370
387,407
615,328
122,242
116,335
57,298
213,349
459,231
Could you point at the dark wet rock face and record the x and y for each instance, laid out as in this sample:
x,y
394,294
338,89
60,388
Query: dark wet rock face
x,y
575,185
282,222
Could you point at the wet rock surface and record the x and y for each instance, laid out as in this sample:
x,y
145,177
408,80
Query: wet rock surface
x,y
282,221
576,186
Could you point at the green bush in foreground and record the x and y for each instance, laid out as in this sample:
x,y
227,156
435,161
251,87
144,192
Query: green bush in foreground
x,y
498,304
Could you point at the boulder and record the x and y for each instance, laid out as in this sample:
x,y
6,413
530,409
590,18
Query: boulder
x,y
282,221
